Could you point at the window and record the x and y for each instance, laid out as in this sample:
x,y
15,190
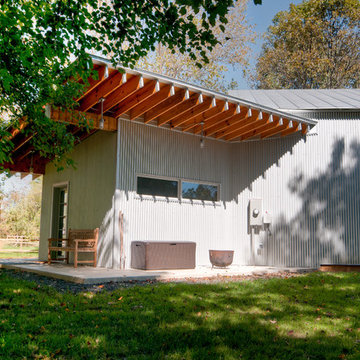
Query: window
x,y
199,191
191,190
157,187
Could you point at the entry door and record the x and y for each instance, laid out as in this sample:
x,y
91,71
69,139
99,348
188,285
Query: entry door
x,y
60,212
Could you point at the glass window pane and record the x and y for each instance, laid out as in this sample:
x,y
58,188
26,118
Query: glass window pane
x,y
157,187
196,191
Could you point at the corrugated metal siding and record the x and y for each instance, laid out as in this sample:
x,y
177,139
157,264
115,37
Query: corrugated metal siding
x,y
312,192
310,186
149,150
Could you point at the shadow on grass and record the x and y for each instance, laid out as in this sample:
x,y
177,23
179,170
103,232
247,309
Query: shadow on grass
x,y
307,317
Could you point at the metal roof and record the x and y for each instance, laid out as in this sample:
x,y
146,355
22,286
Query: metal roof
x,y
303,99
231,98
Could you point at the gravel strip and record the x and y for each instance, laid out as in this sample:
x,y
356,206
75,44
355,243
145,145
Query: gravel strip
x,y
65,286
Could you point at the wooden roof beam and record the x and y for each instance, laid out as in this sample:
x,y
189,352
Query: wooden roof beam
x,y
204,116
136,98
251,117
304,128
103,73
37,163
191,113
121,93
166,105
254,122
76,118
225,114
283,125
151,101
102,91
180,108
25,139
293,128
257,131
232,120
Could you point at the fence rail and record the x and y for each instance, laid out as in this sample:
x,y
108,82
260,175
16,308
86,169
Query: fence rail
x,y
19,244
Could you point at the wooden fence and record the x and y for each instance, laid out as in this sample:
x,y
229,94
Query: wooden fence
x,y
17,244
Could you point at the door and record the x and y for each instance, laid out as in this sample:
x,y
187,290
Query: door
x,y
60,214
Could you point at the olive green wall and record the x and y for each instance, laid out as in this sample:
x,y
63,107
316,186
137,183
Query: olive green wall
x,y
91,191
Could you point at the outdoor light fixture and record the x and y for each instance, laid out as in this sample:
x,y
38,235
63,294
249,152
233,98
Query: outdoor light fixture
x,y
202,140
102,121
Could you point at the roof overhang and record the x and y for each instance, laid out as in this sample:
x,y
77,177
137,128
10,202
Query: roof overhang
x,y
149,98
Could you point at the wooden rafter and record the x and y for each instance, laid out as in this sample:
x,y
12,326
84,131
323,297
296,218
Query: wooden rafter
x,y
151,102
225,114
164,106
247,120
257,131
232,120
191,113
136,98
102,91
291,130
180,108
276,130
21,142
93,82
204,116
121,93
304,128
253,124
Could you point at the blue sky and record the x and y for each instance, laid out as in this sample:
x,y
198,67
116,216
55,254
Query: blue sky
x,y
261,16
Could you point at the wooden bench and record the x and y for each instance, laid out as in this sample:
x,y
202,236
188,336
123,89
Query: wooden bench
x,y
79,241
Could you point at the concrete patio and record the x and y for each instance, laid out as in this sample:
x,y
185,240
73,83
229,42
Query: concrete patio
x,y
91,275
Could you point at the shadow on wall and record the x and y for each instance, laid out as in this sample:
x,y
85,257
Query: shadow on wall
x,y
326,229
252,160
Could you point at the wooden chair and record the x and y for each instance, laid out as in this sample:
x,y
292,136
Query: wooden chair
x,y
79,241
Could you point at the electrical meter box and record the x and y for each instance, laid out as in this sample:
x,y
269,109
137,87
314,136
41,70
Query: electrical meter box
x,y
255,212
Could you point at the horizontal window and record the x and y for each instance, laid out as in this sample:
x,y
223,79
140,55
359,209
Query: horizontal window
x,y
198,191
157,187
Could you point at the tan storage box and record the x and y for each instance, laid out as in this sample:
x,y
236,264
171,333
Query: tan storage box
x,y
161,255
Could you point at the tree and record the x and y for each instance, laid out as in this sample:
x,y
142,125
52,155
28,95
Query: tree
x,y
21,211
313,45
40,39
231,51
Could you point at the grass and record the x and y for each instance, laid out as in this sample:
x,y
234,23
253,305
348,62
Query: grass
x,y
29,252
315,316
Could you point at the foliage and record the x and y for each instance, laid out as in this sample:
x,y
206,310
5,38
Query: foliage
x,y
313,316
231,51
42,38
21,212
315,44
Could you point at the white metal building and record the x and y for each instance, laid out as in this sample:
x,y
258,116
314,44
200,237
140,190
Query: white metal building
x,y
182,163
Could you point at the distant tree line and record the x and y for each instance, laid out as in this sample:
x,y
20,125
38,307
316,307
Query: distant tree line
x,y
20,211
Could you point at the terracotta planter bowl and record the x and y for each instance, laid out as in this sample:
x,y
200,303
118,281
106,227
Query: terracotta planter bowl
x,y
221,258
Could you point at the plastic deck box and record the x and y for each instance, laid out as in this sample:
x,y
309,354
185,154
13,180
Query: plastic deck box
x,y
161,255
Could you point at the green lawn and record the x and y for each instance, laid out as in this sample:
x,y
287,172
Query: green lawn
x,y
315,316
29,252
